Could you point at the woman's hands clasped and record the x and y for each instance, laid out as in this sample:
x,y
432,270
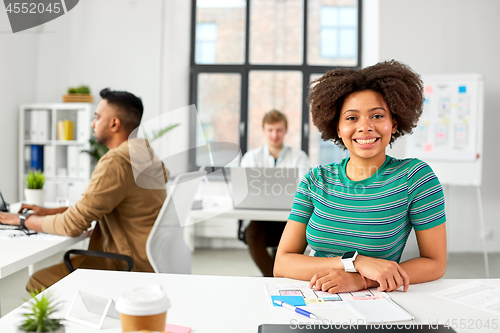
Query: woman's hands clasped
x,y
337,281
389,276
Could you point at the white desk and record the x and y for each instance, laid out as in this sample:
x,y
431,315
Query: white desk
x,y
21,253
221,207
208,303
18,254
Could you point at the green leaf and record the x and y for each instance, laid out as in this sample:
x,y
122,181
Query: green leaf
x,y
158,134
97,150
83,90
35,180
37,319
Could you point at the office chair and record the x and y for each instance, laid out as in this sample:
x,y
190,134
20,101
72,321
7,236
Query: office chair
x,y
98,254
166,248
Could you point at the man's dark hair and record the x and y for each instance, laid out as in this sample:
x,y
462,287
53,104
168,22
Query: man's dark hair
x,y
129,106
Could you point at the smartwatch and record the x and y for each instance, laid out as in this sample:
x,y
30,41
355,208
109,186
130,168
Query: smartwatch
x,y
348,261
22,220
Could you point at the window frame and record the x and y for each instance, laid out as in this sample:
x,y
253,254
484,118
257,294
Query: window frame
x,y
244,70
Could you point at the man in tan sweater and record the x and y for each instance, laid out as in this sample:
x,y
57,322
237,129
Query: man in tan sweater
x,y
123,198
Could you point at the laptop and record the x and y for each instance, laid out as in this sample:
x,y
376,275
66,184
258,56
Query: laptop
x,y
264,188
322,328
4,207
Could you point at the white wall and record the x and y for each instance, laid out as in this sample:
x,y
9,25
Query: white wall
x,y
175,80
18,57
139,46
445,37
370,27
110,43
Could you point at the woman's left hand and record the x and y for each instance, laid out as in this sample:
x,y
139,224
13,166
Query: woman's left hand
x,y
337,281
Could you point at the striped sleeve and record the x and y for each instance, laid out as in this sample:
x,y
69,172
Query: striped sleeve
x,y
425,197
303,207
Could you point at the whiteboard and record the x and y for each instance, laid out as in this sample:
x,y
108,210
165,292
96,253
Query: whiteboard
x,y
449,133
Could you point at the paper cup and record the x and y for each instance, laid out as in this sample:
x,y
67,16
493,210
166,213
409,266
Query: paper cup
x,y
143,308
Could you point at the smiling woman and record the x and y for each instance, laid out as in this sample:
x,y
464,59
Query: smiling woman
x,y
357,214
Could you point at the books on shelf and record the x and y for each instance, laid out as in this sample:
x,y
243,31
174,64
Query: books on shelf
x,y
73,161
52,137
83,126
65,130
48,161
27,159
36,157
39,126
83,164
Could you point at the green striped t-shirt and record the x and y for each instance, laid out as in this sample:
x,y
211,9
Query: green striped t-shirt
x,y
373,216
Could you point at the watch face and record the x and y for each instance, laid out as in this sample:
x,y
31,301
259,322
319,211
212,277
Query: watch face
x,y
348,255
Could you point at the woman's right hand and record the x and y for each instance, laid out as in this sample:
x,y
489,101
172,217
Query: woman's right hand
x,y
37,210
389,274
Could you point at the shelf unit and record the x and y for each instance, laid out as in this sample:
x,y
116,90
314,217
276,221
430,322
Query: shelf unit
x,y
67,169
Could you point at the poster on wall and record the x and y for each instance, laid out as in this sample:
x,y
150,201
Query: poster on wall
x,y
448,127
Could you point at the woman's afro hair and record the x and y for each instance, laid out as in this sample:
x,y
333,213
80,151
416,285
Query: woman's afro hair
x,y
398,84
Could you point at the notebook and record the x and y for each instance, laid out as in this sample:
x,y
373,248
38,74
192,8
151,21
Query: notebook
x,y
380,310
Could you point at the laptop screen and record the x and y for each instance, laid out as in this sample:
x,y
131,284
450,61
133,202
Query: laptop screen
x,y
3,204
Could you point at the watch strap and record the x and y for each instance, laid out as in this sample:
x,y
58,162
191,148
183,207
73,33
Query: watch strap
x,y
349,266
22,220
349,262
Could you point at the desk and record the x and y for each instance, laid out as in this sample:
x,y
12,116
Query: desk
x,y
207,303
19,254
221,207
26,252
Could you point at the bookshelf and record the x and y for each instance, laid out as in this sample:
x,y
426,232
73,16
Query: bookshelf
x,y
67,169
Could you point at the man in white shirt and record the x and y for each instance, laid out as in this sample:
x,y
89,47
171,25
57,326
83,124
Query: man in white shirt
x,y
262,234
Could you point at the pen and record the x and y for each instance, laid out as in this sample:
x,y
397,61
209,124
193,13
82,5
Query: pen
x,y
295,309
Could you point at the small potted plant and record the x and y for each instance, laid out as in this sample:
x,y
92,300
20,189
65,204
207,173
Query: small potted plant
x,y
38,318
35,195
79,94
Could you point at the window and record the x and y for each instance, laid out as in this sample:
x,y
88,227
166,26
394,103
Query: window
x,y
338,32
206,36
251,56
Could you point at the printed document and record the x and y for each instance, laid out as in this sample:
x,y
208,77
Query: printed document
x,y
477,294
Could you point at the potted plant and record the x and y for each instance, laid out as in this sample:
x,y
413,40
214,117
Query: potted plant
x,y
79,94
35,195
38,318
97,150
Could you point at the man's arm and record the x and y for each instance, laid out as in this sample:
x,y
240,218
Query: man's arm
x,y
34,222
107,188
42,211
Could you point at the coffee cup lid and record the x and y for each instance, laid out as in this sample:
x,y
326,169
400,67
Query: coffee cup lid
x,y
143,301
